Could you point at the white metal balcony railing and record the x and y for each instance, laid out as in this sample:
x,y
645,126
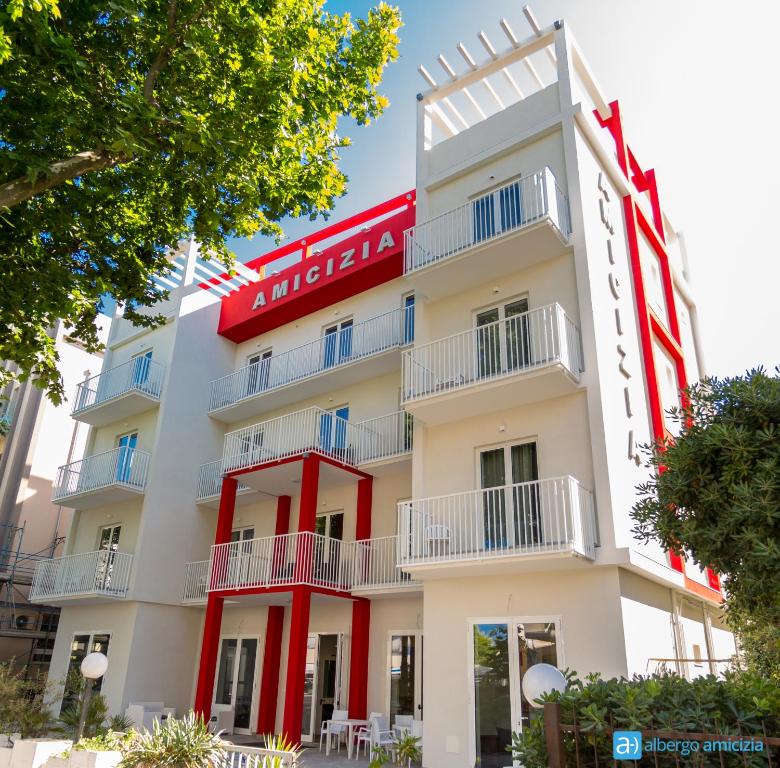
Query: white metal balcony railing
x,y
196,580
509,208
543,516
370,337
524,342
210,481
127,467
317,430
292,558
297,558
375,564
104,572
141,374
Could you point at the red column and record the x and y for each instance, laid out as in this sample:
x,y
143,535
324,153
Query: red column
x,y
307,514
227,507
364,499
358,660
296,663
208,655
269,689
282,527
213,621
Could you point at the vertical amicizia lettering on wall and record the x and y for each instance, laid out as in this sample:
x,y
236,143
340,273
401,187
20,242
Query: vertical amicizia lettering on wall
x,y
624,364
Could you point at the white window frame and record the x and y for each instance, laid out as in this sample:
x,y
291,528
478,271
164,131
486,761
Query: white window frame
x,y
419,635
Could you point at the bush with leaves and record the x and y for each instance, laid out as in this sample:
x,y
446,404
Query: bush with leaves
x,y
97,716
184,743
715,492
23,707
743,704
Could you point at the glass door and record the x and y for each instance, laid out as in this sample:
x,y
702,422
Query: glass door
x,y
141,366
310,686
337,346
258,367
492,467
108,544
507,476
333,430
502,653
124,464
241,555
406,666
503,339
327,551
236,680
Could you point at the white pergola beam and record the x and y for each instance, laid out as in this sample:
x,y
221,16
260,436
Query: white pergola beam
x,y
537,30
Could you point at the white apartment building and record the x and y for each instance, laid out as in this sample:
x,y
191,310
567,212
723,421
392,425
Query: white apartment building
x,y
38,437
394,474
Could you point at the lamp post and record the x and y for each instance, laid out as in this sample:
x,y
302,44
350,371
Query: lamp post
x,y
93,666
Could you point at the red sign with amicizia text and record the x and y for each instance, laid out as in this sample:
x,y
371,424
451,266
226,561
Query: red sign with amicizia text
x,y
352,266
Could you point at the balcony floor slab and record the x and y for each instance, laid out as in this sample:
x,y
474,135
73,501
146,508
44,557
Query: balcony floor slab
x,y
490,395
118,408
110,494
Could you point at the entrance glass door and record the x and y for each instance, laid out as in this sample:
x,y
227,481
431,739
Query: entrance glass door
x,y
258,368
406,661
141,366
321,683
236,680
503,652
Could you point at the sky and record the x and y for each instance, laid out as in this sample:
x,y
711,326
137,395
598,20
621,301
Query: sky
x,y
697,83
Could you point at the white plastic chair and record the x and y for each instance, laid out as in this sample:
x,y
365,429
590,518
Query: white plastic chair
x,y
363,734
381,735
335,728
403,724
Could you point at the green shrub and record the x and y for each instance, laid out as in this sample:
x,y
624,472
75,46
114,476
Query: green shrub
x,y
110,741
23,706
185,743
741,704
97,714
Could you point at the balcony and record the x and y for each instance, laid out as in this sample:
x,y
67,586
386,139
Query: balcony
x,y
92,577
516,523
374,441
105,478
509,229
359,352
209,487
295,559
113,395
529,357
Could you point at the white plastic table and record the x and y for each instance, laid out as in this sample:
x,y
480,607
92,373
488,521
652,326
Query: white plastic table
x,y
353,723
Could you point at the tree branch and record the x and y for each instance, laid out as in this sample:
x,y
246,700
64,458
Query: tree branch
x,y
17,191
163,56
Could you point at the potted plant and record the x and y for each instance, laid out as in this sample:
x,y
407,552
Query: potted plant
x,y
379,757
180,743
407,750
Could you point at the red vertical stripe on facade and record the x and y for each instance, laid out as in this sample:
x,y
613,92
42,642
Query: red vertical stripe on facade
x,y
364,500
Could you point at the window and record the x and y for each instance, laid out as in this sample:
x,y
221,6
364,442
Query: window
x,y
337,344
406,665
408,319
81,645
503,339
331,525
508,475
258,370
108,545
503,651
